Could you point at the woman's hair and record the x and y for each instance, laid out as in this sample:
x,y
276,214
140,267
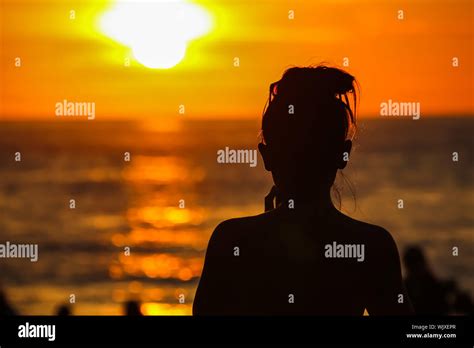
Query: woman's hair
x,y
307,119
310,96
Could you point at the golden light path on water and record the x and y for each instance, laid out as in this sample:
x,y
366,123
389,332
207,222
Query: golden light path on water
x,y
157,225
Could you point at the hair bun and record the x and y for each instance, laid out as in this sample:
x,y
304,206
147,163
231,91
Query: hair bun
x,y
322,89
320,82
333,80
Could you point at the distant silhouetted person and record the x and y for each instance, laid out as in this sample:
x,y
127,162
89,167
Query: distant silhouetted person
x,y
463,303
430,295
304,256
63,310
132,308
6,308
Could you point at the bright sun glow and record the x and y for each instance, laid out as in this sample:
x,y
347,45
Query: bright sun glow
x,y
157,31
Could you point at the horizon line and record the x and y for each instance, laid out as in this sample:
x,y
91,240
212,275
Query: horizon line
x,y
79,119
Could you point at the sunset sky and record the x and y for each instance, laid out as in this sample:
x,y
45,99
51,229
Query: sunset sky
x,y
74,59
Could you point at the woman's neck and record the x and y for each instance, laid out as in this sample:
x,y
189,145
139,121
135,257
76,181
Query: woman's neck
x,y
315,204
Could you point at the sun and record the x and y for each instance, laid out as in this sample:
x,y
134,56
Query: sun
x,y
157,31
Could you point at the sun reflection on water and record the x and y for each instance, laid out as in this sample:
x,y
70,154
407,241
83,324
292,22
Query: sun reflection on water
x,y
153,308
165,240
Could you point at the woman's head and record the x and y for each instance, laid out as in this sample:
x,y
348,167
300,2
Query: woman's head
x,y
307,128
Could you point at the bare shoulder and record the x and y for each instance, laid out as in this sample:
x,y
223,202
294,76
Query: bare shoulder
x,y
370,233
238,229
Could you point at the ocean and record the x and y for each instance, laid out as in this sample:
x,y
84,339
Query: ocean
x,y
138,229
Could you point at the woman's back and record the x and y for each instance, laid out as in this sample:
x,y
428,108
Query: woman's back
x,y
288,263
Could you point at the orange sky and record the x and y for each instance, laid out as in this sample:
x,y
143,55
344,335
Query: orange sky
x,y
402,60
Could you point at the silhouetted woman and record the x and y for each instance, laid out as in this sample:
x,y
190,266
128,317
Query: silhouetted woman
x,y
304,256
